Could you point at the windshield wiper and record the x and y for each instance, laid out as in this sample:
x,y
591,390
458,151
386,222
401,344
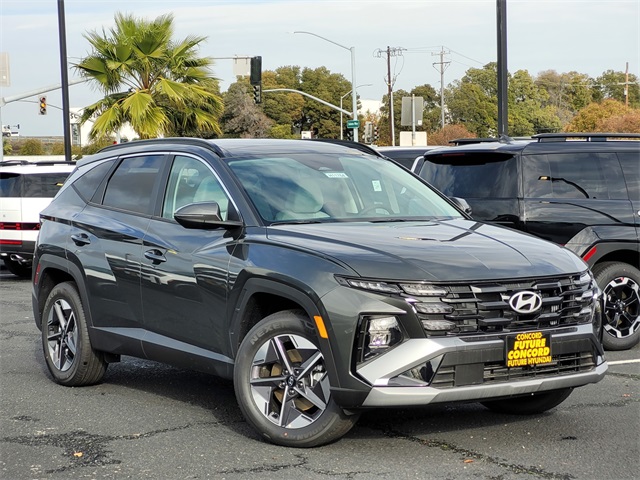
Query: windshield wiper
x,y
295,222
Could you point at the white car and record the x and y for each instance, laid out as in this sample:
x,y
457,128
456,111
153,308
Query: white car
x,y
26,188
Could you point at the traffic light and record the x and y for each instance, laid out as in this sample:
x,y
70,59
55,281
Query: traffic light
x,y
375,133
348,134
255,78
257,93
43,105
256,71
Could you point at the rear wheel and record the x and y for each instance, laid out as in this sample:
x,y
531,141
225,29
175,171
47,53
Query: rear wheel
x,y
282,385
529,405
620,284
65,340
19,269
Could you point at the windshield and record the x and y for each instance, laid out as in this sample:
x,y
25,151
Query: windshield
x,y
313,187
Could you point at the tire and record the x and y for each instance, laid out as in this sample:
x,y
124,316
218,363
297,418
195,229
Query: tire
x,y
279,360
65,340
529,405
620,285
17,268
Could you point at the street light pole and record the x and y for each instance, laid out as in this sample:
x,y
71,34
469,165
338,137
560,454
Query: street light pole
x,y
353,76
342,98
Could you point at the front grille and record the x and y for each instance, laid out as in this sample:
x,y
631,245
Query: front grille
x,y
484,307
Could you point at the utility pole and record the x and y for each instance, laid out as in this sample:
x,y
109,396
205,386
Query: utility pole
x,y
626,86
443,66
390,52
503,99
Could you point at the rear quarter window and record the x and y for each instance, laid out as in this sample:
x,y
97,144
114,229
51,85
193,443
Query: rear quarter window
x,y
87,184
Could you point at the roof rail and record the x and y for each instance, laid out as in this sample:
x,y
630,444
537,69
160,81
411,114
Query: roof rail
x,y
469,141
587,137
5,163
363,147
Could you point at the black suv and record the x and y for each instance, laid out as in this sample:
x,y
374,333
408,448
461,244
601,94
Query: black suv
x,y
323,279
580,190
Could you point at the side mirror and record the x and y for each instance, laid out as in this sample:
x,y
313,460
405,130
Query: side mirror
x,y
462,204
205,215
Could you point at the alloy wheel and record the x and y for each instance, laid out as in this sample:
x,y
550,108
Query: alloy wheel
x,y
622,307
289,382
62,335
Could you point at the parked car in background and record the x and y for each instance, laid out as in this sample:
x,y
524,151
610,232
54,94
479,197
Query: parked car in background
x,y
580,190
405,156
323,279
26,187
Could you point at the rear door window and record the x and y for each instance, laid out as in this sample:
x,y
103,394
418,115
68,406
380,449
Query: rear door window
x,y
132,184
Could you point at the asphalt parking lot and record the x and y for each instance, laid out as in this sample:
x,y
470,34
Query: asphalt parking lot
x,y
151,421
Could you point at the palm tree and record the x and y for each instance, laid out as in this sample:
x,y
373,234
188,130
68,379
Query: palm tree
x,y
158,86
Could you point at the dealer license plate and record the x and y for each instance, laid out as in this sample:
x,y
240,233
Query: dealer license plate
x,y
528,348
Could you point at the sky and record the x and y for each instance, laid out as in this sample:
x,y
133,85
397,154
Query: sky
x,y
585,36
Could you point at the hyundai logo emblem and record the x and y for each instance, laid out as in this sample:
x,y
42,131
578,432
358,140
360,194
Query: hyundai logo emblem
x,y
525,302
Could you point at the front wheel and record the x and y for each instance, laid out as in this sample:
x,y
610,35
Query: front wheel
x,y
529,405
65,339
620,284
282,385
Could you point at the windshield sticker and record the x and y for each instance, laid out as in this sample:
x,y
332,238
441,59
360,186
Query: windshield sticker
x,y
336,175
377,187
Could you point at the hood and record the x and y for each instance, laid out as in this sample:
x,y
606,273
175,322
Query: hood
x,y
447,250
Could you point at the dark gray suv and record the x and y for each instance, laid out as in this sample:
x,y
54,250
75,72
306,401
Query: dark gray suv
x,y
322,279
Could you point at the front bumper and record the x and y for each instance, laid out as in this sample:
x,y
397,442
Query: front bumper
x,y
424,371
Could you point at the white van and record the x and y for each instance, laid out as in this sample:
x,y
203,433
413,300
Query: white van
x,y
26,188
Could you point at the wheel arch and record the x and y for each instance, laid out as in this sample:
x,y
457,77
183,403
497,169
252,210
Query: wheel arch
x,y
54,270
614,252
261,297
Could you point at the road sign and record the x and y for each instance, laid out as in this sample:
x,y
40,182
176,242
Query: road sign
x,y
353,123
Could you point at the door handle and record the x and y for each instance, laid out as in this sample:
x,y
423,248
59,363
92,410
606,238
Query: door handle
x,y
80,239
155,256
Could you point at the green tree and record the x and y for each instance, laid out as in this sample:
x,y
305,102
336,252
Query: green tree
x,y
284,108
612,85
32,146
430,117
155,84
473,101
593,116
527,112
567,92
7,148
242,118
57,148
